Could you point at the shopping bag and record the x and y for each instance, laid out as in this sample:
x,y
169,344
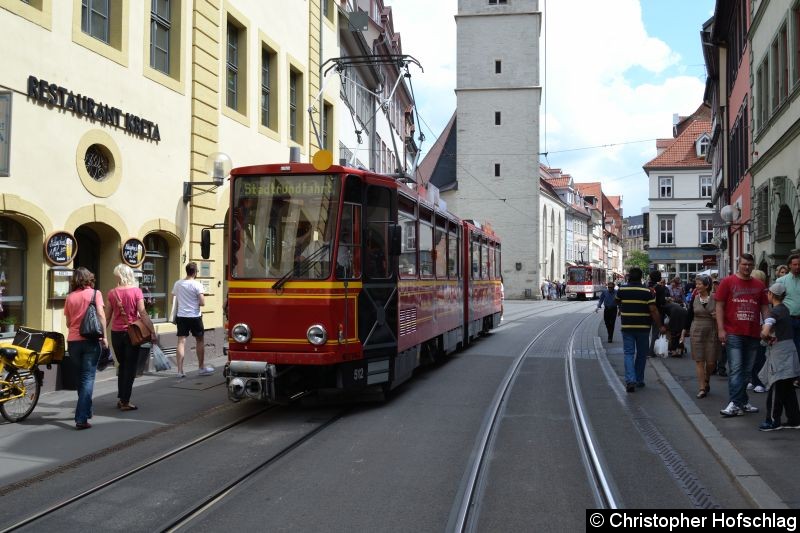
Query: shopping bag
x,y
105,359
661,347
160,361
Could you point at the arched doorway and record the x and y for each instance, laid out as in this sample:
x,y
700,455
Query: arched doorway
x,y
784,234
99,251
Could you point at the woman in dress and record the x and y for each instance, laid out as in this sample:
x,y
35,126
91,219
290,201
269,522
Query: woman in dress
x,y
702,327
85,352
126,302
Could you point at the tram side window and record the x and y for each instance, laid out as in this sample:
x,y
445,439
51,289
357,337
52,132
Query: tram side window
x,y
348,258
12,275
425,244
453,254
376,258
475,252
497,265
440,248
408,251
485,263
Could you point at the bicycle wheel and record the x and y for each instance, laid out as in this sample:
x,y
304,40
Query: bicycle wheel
x,y
25,382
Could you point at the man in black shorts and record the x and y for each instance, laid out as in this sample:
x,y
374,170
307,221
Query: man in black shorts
x,y
190,298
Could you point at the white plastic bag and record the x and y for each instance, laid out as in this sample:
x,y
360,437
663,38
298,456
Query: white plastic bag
x,y
160,360
661,347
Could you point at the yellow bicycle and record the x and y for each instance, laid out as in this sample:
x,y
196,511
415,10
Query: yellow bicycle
x,y
20,376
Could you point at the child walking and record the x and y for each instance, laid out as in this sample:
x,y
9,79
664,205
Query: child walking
x,y
781,367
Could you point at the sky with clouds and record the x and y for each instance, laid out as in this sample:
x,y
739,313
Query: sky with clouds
x,y
613,75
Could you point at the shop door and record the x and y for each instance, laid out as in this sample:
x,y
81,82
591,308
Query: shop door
x,y
88,252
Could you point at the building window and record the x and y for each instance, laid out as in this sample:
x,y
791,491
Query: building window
x,y
775,75
232,68
706,230
702,146
95,17
293,83
497,118
666,231
783,61
498,67
706,187
762,94
327,124
269,73
496,170
665,186
5,133
761,212
98,162
154,282
12,275
796,40
160,23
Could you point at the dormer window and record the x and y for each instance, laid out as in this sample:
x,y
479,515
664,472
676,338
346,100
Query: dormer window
x,y
701,146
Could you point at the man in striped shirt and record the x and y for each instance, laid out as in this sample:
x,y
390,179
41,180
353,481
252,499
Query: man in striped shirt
x,y
637,309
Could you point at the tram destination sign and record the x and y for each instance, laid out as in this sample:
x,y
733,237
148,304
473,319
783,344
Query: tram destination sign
x,y
55,95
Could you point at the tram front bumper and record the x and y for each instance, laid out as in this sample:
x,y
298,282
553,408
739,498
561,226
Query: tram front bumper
x,y
250,379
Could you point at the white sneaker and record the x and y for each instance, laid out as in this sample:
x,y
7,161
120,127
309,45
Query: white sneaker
x,y
759,388
206,371
731,410
749,408
749,386
181,375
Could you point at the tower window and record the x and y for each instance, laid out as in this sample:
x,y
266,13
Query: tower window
x,y
497,170
497,118
498,66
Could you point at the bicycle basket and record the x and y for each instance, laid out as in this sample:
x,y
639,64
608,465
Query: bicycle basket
x,y
36,346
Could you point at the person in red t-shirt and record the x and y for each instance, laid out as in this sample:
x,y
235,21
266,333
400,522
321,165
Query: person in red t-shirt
x,y
741,303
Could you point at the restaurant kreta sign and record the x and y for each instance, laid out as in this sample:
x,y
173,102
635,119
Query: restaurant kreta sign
x,y
82,105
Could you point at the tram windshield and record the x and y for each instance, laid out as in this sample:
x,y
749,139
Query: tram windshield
x,y
283,225
578,275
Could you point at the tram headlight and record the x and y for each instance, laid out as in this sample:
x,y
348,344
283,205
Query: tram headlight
x,y
317,335
241,333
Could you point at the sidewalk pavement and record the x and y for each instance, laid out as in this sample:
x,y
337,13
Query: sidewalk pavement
x,y
47,439
764,464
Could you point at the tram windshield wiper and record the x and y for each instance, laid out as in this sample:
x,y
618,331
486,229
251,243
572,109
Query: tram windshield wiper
x,y
300,268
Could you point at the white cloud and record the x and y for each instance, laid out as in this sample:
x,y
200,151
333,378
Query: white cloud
x,y
606,81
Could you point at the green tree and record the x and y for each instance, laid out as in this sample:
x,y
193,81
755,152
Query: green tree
x,y
638,258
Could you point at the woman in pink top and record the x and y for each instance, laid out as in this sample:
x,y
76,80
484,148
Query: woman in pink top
x,y
127,305
85,352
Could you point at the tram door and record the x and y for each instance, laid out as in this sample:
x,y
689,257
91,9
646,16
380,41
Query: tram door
x,y
377,303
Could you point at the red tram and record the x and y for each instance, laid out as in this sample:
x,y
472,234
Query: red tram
x,y
585,281
346,279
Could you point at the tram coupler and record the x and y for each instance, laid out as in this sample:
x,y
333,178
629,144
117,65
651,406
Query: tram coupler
x,y
250,379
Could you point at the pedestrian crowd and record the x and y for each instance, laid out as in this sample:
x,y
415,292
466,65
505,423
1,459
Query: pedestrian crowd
x,y
126,308
553,290
738,327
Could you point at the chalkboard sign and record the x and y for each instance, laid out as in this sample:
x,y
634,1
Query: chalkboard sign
x,y
133,252
60,248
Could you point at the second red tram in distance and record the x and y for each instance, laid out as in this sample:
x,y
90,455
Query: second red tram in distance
x,y
346,279
585,281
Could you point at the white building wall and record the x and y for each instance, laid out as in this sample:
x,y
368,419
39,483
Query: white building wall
x,y
685,206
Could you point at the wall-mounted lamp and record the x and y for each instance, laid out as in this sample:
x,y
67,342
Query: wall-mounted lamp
x,y
218,166
729,213
518,266
709,205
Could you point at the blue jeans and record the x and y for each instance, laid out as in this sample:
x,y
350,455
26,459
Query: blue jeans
x,y
635,343
86,355
741,352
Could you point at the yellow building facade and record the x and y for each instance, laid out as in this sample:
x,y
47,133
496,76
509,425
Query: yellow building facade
x,y
109,110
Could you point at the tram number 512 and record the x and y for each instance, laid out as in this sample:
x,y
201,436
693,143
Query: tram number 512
x,y
358,374
354,375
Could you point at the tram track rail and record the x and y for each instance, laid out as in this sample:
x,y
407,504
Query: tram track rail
x,y
192,510
466,509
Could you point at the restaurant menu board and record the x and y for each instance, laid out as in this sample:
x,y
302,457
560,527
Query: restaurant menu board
x,y
60,248
133,252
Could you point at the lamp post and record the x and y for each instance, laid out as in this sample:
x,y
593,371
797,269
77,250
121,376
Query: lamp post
x,y
728,213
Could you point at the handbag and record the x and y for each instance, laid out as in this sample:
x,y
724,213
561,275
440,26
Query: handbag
x,y
105,359
90,323
160,361
139,331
